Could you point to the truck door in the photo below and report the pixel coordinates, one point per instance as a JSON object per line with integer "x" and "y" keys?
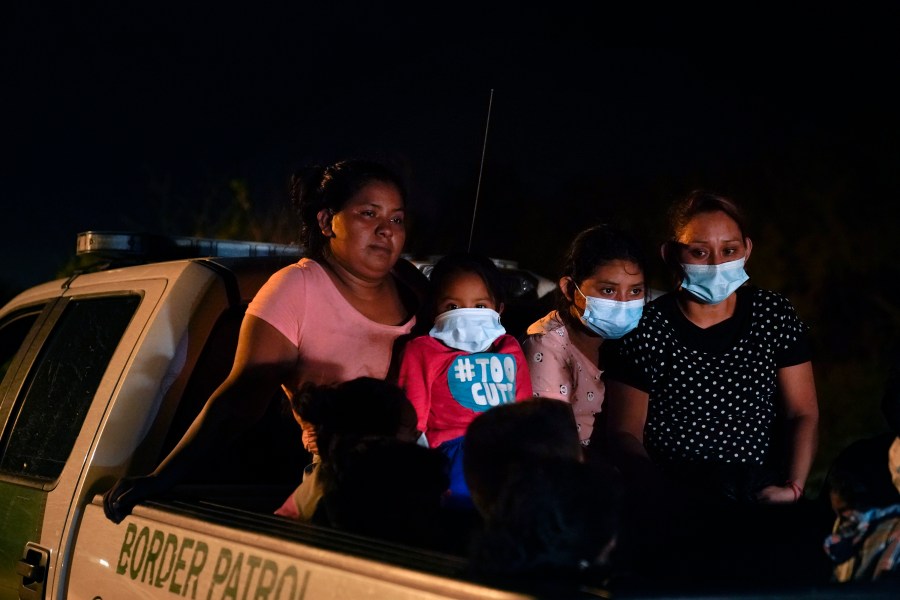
{"x": 21, "y": 509}
{"x": 54, "y": 392}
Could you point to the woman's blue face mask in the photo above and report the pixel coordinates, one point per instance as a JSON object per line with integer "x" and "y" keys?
{"x": 711, "y": 284}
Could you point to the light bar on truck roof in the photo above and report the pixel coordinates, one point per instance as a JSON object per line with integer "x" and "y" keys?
{"x": 146, "y": 246}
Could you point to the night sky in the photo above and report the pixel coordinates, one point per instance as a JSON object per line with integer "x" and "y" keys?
{"x": 139, "y": 117}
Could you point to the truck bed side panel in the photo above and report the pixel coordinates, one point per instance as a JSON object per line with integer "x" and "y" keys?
{"x": 160, "y": 554}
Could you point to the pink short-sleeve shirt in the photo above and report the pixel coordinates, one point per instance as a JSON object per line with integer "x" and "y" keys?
{"x": 335, "y": 342}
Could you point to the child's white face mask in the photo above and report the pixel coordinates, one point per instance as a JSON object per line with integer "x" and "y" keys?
{"x": 468, "y": 329}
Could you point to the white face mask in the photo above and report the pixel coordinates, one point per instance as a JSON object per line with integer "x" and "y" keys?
{"x": 611, "y": 319}
{"x": 713, "y": 283}
{"x": 468, "y": 329}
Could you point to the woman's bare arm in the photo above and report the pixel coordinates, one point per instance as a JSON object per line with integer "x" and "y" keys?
{"x": 264, "y": 359}
{"x": 797, "y": 389}
{"x": 626, "y": 415}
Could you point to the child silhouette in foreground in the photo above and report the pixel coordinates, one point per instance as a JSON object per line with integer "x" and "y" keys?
{"x": 386, "y": 488}
{"x": 467, "y": 364}
{"x": 361, "y": 408}
{"x": 549, "y": 518}
{"x": 863, "y": 487}
{"x": 516, "y": 436}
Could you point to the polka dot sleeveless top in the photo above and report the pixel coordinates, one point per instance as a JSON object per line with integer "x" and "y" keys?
{"x": 712, "y": 392}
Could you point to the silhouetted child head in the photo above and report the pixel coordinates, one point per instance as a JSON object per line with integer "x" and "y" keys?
{"x": 360, "y": 407}
{"x": 552, "y": 517}
{"x": 859, "y": 478}
{"x": 384, "y": 488}
{"x": 511, "y": 434}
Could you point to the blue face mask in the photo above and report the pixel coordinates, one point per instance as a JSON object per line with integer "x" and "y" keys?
{"x": 468, "y": 329}
{"x": 713, "y": 283}
{"x": 611, "y": 319}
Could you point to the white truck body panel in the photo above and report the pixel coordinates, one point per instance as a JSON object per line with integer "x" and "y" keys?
{"x": 157, "y": 554}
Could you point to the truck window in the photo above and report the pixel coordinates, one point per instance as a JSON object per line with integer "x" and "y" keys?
{"x": 60, "y": 386}
{"x": 13, "y": 330}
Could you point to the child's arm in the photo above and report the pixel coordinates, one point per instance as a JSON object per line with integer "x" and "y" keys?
{"x": 524, "y": 390}
{"x": 413, "y": 378}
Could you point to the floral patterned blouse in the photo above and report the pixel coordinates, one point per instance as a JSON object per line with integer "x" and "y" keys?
{"x": 560, "y": 370}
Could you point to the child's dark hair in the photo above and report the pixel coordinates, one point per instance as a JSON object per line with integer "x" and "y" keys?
{"x": 469, "y": 262}
{"x": 859, "y": 475}
{"x": 384, "y": 488}
{"x": 553, "y": 517}
{"x": 357, "y": 408}
{"x": 509, "y": 434}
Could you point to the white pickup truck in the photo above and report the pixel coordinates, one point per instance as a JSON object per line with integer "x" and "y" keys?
{"x": 101, "y": 374}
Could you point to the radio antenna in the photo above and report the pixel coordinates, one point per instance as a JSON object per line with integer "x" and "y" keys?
{"x": 481, "y": 167}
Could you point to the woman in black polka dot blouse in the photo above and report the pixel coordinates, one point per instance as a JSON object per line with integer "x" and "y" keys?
{"x": 715, "y": 387}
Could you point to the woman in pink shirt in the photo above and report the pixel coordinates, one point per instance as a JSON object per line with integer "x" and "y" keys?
{"x": 331, "y": 317}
